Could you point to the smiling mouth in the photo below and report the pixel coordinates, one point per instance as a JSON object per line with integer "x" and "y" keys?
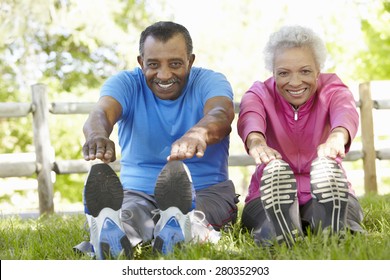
{"x": 165, "y": 86}
{"x": 296, "y": 92}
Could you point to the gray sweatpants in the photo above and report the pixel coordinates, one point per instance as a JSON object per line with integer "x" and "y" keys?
{"x": 217, "y": 202}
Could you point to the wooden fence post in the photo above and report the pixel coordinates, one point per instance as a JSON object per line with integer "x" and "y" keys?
{"x": 42, "y": 148}
{"x": 367, "y": 126}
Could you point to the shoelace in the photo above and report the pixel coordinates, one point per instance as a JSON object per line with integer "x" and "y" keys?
{"x": 155, "y": 212}
{"x": 199, "y": 220}
{"x": 202, "y": 229}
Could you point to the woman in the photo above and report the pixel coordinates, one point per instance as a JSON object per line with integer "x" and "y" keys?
{"x": 298, "y": 125}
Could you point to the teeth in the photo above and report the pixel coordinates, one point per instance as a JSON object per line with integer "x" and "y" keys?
{"x": 296, "y": 92}
{"x": 165, "y": 85}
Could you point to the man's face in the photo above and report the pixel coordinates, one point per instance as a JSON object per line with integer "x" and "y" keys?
{"x": 166, "y": 66}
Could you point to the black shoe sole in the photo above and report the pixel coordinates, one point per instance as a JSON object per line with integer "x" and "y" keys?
{"x": 330, "y": 187}
{"x": 103, "y": 189}
{"x": 278, "y": 194}
{"x": 174, "y": 188}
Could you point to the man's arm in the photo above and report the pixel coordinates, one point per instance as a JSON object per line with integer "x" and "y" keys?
{"x": 212, "y": 128}
{"x": 97, "y": 130}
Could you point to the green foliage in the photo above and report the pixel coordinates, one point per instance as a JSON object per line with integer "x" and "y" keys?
{"x": 53, "y": 237}
{"x": 132, "y": 12}
{"x": 72, "y": 47}
{"x": 14, "y": 138}
{"x": 67, "y": 140}
{"x": 374, "y": 61}
{"x": 357, "y": 38}
{"x": 76, "y": 43}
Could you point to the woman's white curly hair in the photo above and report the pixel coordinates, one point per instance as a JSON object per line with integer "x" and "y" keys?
{"x": 292, "y": 37}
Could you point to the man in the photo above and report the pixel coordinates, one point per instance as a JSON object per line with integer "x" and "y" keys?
{"x": 174, "y": 122}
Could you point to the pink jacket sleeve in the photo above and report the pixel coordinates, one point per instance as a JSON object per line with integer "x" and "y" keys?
{"x": 252, "y": 116}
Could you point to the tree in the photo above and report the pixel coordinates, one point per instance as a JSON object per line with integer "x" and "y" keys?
{"x": 72, "y": 46}
{"x": 374, "y": 60}
{"x": 359, "y": 42}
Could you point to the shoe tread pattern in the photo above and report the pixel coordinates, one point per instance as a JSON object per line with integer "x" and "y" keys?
{"x": 174, "y": 188}
{"x": 278, "y": 193}
{"x": 330, "y": 187}
{"x": 103, "y": 189}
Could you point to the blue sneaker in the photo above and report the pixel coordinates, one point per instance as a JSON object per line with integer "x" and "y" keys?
{"x": 172, "y": 228}
{"x": 175, "y": 197}
{"x": 103, "y": 197}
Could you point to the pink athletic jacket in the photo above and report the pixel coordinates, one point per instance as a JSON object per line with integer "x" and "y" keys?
{"x": 296, "y": 134}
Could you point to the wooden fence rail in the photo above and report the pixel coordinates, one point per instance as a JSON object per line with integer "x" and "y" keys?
{"x": 43, "y": 162}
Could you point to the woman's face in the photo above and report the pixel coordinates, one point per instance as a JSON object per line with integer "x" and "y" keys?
{"x": 295, "y": 73}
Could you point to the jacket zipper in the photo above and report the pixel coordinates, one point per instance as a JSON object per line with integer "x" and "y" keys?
{"x": 296, "y": 119}
{"x": 295, "y": 113}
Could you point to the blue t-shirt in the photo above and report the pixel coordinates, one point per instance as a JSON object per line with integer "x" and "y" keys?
{"x": 149, "y": 125}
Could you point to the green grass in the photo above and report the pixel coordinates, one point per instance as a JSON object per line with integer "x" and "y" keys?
{"x": 52, "y": 238}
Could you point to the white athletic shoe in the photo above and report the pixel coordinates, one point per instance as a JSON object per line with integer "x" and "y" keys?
{"x": 202, "y": 231}
{"x": 103, "y": 196}
{"x": 175, "y": 198}
{"x": 172, "y": 228}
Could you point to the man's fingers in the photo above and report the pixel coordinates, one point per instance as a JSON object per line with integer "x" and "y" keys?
{"x": 92, "y": 151}
{"x": 98, "y": 149}
{"x": 199, "y": 151}
{"x": 109, "y": 155}
{"x": 184, "y": 151}
{"x": 86, "y": 151}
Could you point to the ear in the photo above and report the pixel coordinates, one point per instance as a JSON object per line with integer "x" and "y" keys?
{"x": 191, "y": 60}
{"x": 140, "y": 61}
